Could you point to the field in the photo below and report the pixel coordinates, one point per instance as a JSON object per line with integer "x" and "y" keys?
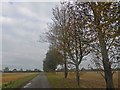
{"x": 15, "y": 80}
{"x": 88, "y": 79}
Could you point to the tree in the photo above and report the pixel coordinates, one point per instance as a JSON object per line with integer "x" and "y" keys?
{"x": 78, "y": 40}
{"x": 83, "y": 27}
{"x": 6, "y": 69}
{"x": 28, "y": 70}
{"x": 53, "y": 58}
{"x": 68, "y": 34}
{"x": 57, "y": 35}
{"x": 21, "y": 70}
{"x": 37, "y": 70}
{"x": 102, "y": 19}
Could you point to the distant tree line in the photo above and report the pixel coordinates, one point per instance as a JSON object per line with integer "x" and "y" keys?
{"x": 6, "y": 69}
{"x": 83, "y": 28}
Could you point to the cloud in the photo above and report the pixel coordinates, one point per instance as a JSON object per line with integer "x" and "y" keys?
{"x": 6, "y": 20}
{"x": 31, "y": 1}
{"x": 22, "y": 23}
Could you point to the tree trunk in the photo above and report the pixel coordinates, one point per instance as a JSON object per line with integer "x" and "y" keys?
{"x": 106, "y": 64}
{"x": 65, "y": 66}
{"x": 66, "y": 71}
{"x": 104, "y": 52}
{"x": 77, "y": 75}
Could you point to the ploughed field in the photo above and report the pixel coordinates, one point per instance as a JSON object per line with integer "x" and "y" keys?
{"x": 16, "y": 80}
{"x": 88, "y": 79}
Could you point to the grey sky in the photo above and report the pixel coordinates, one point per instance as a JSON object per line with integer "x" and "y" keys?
{"x": 22, "y": 24}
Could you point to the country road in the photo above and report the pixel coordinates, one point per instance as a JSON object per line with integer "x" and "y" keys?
{"x": 38, "y": 82}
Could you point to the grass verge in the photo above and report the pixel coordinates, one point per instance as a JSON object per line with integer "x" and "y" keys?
{"x": 57, "y": 80}
{"x": 88, "y": 79}
{"x": 18, "y": 83}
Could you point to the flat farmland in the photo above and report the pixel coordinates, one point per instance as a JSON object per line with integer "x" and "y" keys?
{"x": 15, "y": 80}
{"x": 88, "y": 79}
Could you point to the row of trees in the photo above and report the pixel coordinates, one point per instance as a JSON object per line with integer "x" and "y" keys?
{"x": 83, "y": 28}
{"x": 6, "y": 69}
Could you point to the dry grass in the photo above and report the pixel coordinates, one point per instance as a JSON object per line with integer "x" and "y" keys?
{"x": 87, "y": 80}
{"x": 0, "y": 78}
{"x": 95, "y": 80}
{"x": 7, "y": 77}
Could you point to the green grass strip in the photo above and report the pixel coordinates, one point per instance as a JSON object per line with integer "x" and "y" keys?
{"x": 18, "y": 83}
{"x": 58, "y": 81}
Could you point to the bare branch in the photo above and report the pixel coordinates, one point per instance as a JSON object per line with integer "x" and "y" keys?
{"x": 110, "y": 44}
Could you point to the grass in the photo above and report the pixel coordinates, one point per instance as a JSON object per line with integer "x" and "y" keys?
{"x": 95, "y": 80}
{"x": 57, "y": 80}
{"x": 0, "y": 80}
{"x": 16, "y": 80}
{"x": 7, "y": 77}
{"x": 87, "y": 80}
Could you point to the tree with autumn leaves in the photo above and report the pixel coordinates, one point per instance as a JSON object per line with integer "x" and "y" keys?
{"x": 82, "y": 28}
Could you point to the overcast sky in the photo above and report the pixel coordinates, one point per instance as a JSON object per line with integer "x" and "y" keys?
{"x": 22, "y": 24}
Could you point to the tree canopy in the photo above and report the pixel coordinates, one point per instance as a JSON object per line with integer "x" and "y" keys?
{"x": 52, "y": 60}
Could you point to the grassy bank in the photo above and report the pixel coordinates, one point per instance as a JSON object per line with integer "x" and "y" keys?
{"x": 16, "y": 80}
{"x": 87, "y": 80}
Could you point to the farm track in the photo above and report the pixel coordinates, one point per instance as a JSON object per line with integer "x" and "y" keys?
{"x": 38, "y": 82}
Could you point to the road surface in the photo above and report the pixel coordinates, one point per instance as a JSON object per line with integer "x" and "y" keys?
{"x": 38, "y": 82}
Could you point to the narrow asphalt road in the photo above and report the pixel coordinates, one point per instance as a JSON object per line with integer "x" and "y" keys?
{"x": 38, "y": 82}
